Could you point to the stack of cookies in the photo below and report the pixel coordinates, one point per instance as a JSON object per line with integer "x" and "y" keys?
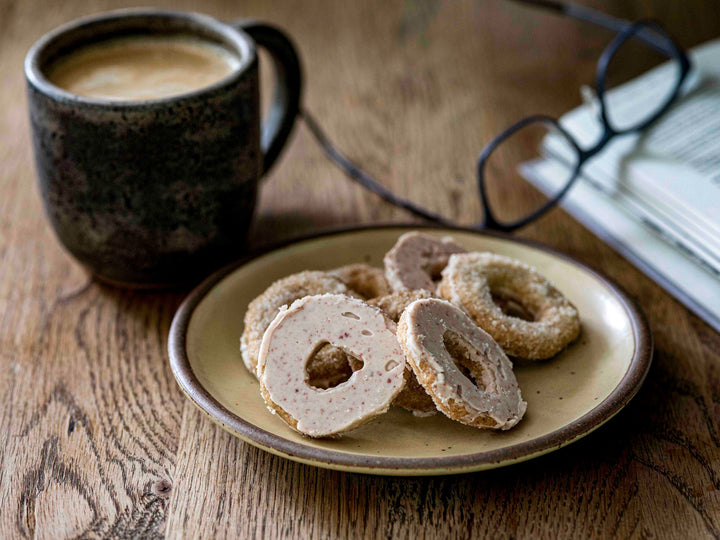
{"x": 430, "y": 332}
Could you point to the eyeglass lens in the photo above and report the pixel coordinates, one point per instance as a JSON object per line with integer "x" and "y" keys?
{"x": 503, "y": 170}
{"x": 625, "y": 109}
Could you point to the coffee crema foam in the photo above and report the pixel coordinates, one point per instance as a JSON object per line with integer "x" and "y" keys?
{"x": 142, "y": 67}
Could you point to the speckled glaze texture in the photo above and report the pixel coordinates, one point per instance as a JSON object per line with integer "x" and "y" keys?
{"x": 152, "y": 192}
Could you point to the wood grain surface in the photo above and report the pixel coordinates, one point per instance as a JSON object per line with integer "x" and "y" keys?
{"x": 96, "y": 439}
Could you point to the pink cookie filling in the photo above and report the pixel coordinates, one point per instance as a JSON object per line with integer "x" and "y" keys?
{"x": 362, "y": 331}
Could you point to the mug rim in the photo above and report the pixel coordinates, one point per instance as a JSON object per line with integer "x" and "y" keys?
{"x": 234, "y": 37}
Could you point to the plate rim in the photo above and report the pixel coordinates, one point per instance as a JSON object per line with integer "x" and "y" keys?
{"x": 403, "y": 466}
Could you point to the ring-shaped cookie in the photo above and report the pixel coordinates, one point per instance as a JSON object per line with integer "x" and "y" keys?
{"x": 471, "y": 280}
{"x": 434, "y": 334}
{"x": 360, "y": 330}
{"x": 263, "y": 309}
{"x": 416, "y": 259}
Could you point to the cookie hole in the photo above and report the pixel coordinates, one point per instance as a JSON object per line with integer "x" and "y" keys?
{"x": 366, "y": 333}
{"x": 433, "y": 267}
{"x": 392, "y": 364}
{"x": 462, "y": 356}
{"x": 511, "y": 305}
{"x": 330, "y": 366}
{"x": 351, "y": 315}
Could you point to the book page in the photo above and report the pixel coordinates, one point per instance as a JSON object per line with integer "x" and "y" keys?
{"x": 674, "y": 167}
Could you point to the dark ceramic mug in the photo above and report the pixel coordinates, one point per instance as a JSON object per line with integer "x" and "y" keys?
{"x": 162, "y": 191}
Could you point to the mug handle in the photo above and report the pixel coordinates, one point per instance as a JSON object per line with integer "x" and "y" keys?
{"x": 278, "y": 124}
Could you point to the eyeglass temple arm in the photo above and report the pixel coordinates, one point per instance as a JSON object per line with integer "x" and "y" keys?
{"x": 599, "y": 18}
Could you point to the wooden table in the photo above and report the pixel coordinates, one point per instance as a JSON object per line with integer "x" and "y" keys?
{"x": 96, "y": 438}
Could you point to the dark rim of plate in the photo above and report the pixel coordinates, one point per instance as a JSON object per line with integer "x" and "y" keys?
{"x": 606, "y": 409}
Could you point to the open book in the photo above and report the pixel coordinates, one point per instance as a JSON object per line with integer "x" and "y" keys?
{"x": 654, "y": 196}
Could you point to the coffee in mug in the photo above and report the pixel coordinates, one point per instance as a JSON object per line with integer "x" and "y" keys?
{"x": 143, "y": 67}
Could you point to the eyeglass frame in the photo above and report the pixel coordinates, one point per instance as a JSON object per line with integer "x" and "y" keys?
{"x": 666, "y": 45}
{"x": 625, "y": 29}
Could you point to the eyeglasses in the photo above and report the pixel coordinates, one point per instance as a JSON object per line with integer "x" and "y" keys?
{"x": 493, "y": 167}
{"x": 614, "y": 118}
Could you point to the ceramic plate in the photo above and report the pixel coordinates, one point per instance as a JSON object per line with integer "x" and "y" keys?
{"x": 568, "y": 396}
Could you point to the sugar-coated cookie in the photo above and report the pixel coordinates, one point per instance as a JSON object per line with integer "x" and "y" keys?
{"x": 470, "y": 280}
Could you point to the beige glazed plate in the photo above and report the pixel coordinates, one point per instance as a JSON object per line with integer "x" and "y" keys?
{"x": 568, "y": 396}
